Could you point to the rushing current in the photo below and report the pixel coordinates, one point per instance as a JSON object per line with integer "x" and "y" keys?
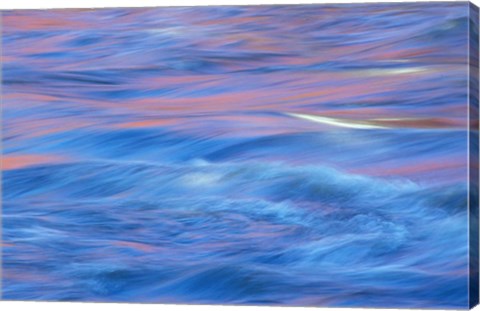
{"x": 311, "y": 155}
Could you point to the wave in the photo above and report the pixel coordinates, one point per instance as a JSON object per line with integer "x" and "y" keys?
{"x": 247, "y": 233}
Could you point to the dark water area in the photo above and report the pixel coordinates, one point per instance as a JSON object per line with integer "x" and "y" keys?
{"x": 281, "y": 155}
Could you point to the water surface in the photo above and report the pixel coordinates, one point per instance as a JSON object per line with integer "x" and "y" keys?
{"x": 283, "y": 155}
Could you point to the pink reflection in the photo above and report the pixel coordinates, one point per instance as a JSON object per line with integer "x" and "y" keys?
{"x": 11, "y": 162}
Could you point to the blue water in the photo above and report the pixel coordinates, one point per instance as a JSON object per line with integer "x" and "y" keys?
{"x": 153, "y": 155}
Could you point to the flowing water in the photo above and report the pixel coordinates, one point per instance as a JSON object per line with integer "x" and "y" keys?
{"x": 281, "y": 155}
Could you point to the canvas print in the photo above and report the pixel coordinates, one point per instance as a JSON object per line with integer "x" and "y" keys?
{"x": 290, "y": 155}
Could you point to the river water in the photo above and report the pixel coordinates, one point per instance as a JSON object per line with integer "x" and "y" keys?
{"x": 283, "y": 155}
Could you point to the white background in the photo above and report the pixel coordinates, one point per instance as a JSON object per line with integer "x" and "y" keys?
{"x": 67, "y": 306}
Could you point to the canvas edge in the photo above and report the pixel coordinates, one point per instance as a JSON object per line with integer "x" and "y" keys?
{"x": 473, "y": 154}
{"x": 1, "y": 156}
{"x": 235, "y": 4}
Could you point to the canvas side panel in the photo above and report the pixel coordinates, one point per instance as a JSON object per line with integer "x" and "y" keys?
{"x": 474, "y": 151}
{"x": 1, "y": 155}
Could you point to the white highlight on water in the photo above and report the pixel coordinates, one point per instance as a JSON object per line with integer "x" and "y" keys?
{"x": 336, "y": 122}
